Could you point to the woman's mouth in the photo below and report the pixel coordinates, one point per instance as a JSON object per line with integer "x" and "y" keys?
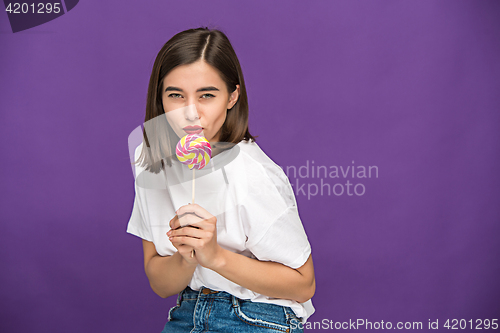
{"x": 193, "y": 129}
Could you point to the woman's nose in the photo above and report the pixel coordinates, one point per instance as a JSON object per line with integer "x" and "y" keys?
{"x": 190, "y": 112}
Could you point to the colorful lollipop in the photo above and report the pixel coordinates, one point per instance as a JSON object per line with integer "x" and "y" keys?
{"x": 195, "y": 151}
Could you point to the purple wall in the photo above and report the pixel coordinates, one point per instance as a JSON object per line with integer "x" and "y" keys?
{"x": 410, "y": 87}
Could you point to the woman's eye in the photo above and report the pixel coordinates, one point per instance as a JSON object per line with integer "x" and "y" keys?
{"x": 207, "y": 96}
{"x": 174, "y": 95}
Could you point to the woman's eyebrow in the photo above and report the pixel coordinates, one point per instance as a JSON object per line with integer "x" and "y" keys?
{"x": 211, "y": 88}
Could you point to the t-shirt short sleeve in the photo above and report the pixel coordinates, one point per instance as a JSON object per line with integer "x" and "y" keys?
{"x": 137, "y": 225}
{"x": 285, "y": 241}
{"x": 273, "y": 227}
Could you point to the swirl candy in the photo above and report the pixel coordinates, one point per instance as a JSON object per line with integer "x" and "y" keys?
{"x": 194, "y": 150}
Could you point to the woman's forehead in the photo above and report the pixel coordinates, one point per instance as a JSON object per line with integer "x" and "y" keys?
{"x": 199, "y": 69}
{"x": 193, "y": 83}
{"x": 193, "y": 77}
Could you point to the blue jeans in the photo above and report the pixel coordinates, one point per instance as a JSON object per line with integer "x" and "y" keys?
{"x": 207, "y": 310}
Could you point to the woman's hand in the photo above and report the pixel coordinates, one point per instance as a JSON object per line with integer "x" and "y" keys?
{"x": 195, "y": 228}
{"x": 184, "y": 250}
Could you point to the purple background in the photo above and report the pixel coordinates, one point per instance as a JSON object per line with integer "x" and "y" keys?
{"x": 408, "y": 86}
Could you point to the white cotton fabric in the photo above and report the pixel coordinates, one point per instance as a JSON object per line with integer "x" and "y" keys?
{"x": 255, "y": 208}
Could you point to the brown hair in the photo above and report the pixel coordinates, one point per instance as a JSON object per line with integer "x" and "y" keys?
{"x": 187, "y": 47}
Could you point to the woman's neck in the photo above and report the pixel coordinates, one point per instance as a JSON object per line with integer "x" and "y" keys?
{"x": 219, "y": 147}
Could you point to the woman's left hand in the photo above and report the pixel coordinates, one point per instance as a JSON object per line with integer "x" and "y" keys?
{"x": 203, "y": 237}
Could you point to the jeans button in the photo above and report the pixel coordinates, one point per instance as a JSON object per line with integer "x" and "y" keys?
{"x": 206, "y": 291}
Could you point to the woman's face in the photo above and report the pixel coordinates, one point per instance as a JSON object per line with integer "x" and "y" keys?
{"x": 195, "y": 100}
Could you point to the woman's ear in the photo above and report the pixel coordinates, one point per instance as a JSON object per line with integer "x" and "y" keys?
{"x": 233, "y": 97}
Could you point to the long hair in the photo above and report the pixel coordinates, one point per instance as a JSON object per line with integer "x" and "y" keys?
{"x": 187, "y": 47}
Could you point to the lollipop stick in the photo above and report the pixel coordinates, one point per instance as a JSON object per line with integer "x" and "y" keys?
{"x": 193, "y": 184}
{"x": 192, "y": 252}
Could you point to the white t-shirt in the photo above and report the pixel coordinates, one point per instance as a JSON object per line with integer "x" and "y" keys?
{"x": 254, "y": 204}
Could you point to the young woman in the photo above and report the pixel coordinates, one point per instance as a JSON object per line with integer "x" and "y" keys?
{"x": 239, "y": 258}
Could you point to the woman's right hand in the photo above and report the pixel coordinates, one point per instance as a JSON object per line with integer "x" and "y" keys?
{"x": 184, "y": 250}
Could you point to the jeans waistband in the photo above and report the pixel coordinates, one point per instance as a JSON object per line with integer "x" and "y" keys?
{"x": 190, "y": 293}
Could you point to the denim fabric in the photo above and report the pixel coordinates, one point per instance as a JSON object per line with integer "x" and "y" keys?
{"x": 207, "y": 310}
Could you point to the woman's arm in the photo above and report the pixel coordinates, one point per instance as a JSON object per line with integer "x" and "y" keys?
{"x": 264, "y": 277}
{"x": 167, "y": 275}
